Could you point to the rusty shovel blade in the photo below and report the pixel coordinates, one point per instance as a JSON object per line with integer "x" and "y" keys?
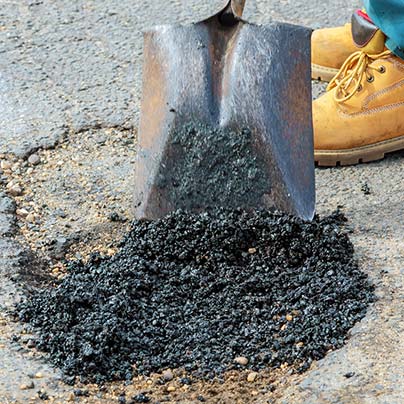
{"x": 217, "y": 95}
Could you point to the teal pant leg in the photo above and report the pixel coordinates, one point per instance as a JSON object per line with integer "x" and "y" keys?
{"x": 388, "y": 15}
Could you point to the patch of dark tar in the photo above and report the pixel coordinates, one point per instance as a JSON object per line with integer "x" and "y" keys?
{"x": 194, "y": 291}
{"x": 212, "y": 167}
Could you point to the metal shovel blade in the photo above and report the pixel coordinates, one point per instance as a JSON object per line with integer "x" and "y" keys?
{"x": 226, "y": 118}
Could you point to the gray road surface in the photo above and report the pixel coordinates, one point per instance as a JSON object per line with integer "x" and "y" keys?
{"x": 67, "y": 67}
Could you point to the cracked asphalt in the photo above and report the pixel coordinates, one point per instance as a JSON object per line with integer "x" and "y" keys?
{"x": 70, "y": 80}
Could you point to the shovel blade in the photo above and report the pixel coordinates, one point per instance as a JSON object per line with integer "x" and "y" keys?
{"x": 206, "y": 84}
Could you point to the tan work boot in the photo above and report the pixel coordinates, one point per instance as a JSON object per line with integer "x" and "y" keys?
{"x": 361, "y": 117}
{"x": 330, "y": 47}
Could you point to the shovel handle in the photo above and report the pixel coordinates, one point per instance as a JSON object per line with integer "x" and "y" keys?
{"x": 233, "y": 12}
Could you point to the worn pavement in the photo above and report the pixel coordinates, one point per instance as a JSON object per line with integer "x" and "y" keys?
{"x": 71, "y": 69}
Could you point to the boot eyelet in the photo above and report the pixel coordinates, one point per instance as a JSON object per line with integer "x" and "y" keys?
{"x": 371, "y": 79}
{"x": 382, "y": 69}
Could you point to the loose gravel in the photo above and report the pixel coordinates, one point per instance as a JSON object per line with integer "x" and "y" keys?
{"x": 198, "y": 291}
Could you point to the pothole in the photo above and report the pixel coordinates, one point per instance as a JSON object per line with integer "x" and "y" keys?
{"x": 75, "y": 195}
{"x": 206, "y": 294}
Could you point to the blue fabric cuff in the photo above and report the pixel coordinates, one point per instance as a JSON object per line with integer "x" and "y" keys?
{"x": 394, "y": 48}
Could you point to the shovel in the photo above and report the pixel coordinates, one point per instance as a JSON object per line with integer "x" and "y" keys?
{"x": 225, "y": 118}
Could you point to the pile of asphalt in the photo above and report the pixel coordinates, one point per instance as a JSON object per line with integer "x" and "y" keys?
{"x": 196, "y": 291}
{"x": 205, "y": 167}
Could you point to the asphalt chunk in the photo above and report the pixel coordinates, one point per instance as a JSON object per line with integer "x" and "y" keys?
{"x": 184, "y": 292}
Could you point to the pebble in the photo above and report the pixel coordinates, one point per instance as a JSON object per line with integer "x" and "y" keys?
{"x": 27, "y": 386}
{"x": 186, "y": 381}
{"x": 61, "y": 213}
{"x": 22, "y": 212}
{"x": 71, "y": 397}
{"x": 30, "y": 218}
{"x": 171, "y": 389}
{"x": 5, "y": 165}
{"x": 289, "y": 317}
{"x": 15, "y": 190}
{"x": 252, "y": 376}
{"x": 252, "y": 250}
{"x": 81, "y": 393}
{"x": 168, "y": 375}
{"x": 43, "y": 395}
{"x": 141, "y": 398}
{"x": 34, "y": 159}
{"x": 241, "y": 360}
{"x": 38, "y": 375}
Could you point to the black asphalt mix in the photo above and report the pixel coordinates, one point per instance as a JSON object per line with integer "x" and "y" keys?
{"x": 198, "y": 291}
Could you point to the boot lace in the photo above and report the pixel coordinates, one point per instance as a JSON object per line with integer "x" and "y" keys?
{"x": 349, "y": 78}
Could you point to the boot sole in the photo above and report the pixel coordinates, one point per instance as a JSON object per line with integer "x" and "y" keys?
{"x": 364, "y": 154}
{"x": 322, "y": 73}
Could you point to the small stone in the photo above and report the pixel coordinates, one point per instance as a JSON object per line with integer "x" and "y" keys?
{"x": 43, "y": 395}
{"x": 61, "y": 213}
{"x": 201, "y": 399}
{"x": 289, "y": 317}
{"x": 15, "y": 190}
{"x": 30, "y": 170}
{"x": 81, "y": 393}
{"x": 365, "y": 189}
{"x": 71, "y": 397}
{"x": 349, "y": 375}
{"x": 22, "y": 212}
{"x": 101, "y": 139}
{"x": 38, "y": 375}
{"x": 168, "y": 375}
{"x": 34, "y": 159}
{"x": 116, "y": 217}
{"x": 5, "y": 165}
{"x": 170, "y": 389}
{"x": 300, "y": 344}
{"x": 30, "y": 218}
{"x": 251, "y": 377}
{"x": 186, "y": 381}
{"x": 27, "y": 386}
{"x": 241, "y": 360}
{"x": 254, "y": 393}
{"x": 252, "y": 250}
{"x": 141, "y": 398}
